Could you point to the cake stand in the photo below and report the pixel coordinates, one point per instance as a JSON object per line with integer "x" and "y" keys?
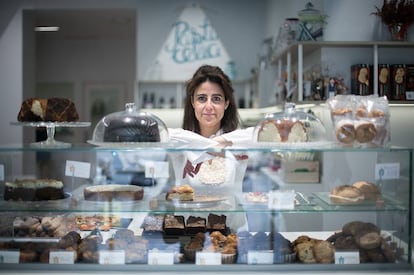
{"x": 50, "y": 142}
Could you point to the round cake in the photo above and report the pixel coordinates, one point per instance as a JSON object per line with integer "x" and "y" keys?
{"x": 282, "y": 131}
{"x": 113, "y": 192}
{"x": 48, "y": 109}
{"x": 132, "y": 129}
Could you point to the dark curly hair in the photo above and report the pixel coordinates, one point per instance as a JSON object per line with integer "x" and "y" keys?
{"x": 214, "y": 74}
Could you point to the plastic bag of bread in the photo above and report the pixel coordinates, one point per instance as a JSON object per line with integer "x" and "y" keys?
{"x": 360, "y": 121}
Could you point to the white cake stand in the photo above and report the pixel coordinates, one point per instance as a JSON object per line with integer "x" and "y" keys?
{"x": 50, "y": 142}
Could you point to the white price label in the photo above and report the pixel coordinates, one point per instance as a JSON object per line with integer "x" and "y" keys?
{"x": 1, "y": 172}
{"x": 387, "y": 171}
{"x": 160, "y": 258}
{"x": 156, "y": 169}
{"x": 9, "y": 257}
{"x": 78, "y": 169}
{"x": 61, "y": 257}
{"x": 208, "y": 258}
{"x": 347, "y": 257}
{"x": 260, "y": 257}
{"x": 112, "y": 257}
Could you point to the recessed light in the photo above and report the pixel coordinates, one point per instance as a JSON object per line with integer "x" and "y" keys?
{"x": 47, "y": 29}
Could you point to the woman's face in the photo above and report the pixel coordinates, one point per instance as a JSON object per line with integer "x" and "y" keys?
{"x": 209, "y": 105}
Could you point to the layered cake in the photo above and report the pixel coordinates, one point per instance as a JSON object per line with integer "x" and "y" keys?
{"x": 34, "y": 190}
{"x": 132, "y": 129}
{"x": 181, "y": 193}
{"x": 53, "y": 109}
{"x": 113, "y": 192}
{"x": 282, "y": 131}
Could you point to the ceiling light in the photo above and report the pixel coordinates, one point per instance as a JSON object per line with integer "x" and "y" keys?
{"x": 47, "y": 29}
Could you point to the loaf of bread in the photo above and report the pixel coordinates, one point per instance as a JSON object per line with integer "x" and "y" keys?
{"x": 53, "y": 109}
{"x": 369, "y": 190}
{"x": 346, "y": 194}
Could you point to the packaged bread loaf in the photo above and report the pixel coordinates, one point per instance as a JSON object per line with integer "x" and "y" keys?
{"x": 360, "y": 121}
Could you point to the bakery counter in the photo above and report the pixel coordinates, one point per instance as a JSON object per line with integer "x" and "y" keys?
{"x": 249, "y": 221}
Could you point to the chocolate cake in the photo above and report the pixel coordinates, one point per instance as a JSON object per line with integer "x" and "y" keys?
{"x": 53, "y": 109}
{"x": 34, "y": 190}
{"x": 138, "y": 128}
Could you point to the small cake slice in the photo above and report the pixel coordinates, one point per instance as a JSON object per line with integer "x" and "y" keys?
{"x": 181, "y": 193}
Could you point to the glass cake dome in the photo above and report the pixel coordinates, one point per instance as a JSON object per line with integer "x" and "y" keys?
{"x": 290, "y": 127}
{"x": 130, "y": 126}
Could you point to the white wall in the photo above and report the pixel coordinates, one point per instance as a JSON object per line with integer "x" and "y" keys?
{"x": 154, "y": 18}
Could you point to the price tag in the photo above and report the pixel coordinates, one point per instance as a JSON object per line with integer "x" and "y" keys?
{"x": 78, "y": 169}
{"x": 160, "y": 258}
{"x": 208, "y": 258}
{"x": 409, "y": 95}
{"x": 347, "y": 257}
{"x": 281, "y": 199}
{"x": 9, "y": 257}
{"x": 156, "y": 169}
{"x": 1, "y": 172}
{"x": 61, "y": 257}
{"x": 260, "y": 257}
{"x": 111, "y": 257}
{"x": 387, "y": 171}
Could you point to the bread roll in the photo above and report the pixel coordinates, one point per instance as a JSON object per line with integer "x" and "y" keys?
{"x": 365, "y": 131}
{"x": 345, "y": 131}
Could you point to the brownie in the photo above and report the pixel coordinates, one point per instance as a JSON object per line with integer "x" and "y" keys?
{"x": 174, "y": 225}
{"x": 216, "y": 223}
{"x": 153, "y": 223}
{"x": 195, "y": 225}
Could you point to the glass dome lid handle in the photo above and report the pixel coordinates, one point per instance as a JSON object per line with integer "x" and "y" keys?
{"x": 130, "y": 107}
{"x": 290, "y": 107}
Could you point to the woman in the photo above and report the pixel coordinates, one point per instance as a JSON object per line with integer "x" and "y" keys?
{"x": 210, "y": 115}
{"x": 210, "y": 109}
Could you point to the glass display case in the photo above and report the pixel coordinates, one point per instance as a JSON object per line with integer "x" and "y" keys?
{"x": 254, "y": 207}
